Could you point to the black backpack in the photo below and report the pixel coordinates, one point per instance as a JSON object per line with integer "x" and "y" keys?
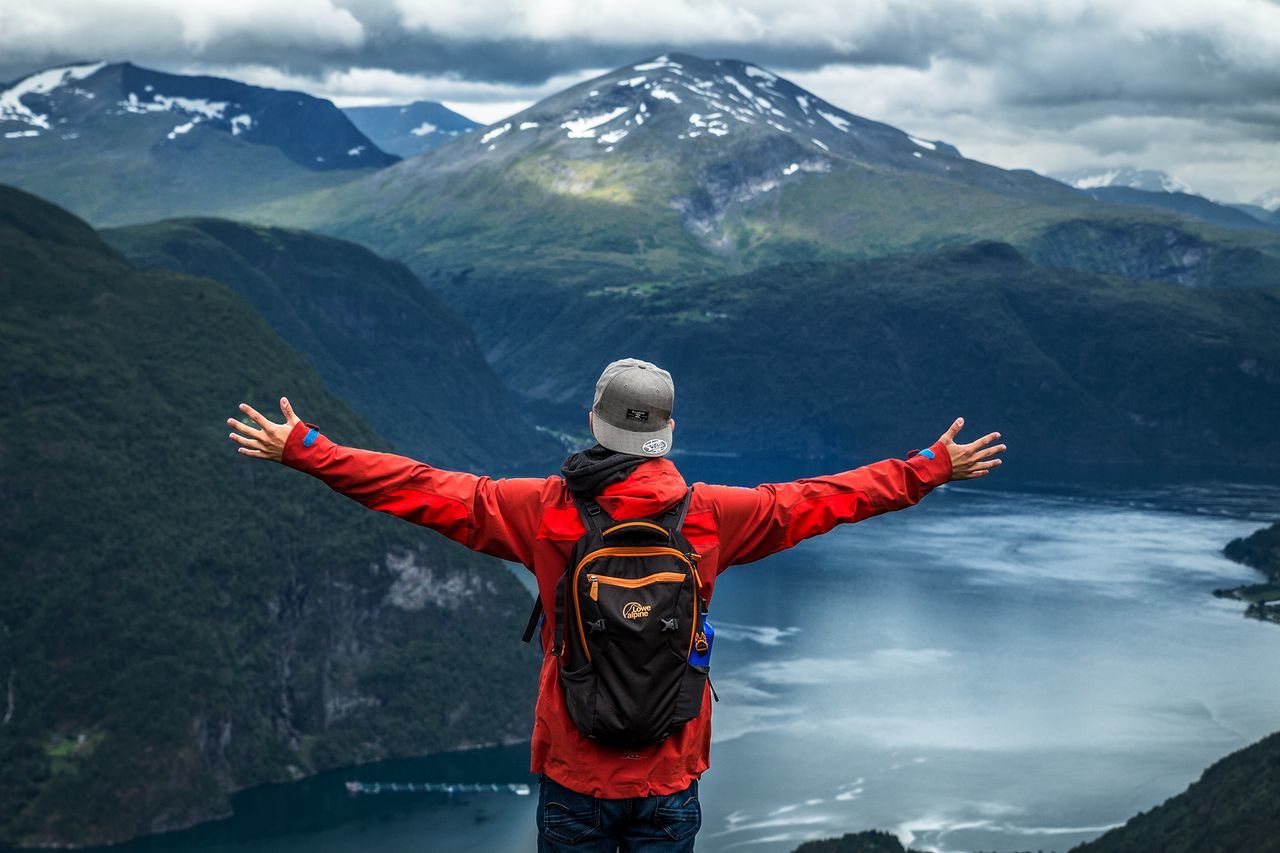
{"x": 629, "y": 614}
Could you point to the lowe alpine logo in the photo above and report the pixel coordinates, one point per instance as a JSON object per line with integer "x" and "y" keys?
{"x": 635, "y": 610}
{"x": 654, "y": 445}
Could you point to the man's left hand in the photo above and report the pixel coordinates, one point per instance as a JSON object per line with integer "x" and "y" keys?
{"x": 970, "y": 461}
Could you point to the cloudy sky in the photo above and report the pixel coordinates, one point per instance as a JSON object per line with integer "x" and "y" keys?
{"x": 1191, "y": 87}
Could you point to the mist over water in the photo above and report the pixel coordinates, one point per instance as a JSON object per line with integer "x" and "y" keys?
{"x": 996, "y": 670}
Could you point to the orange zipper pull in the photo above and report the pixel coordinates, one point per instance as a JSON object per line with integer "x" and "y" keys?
{"x": 595, "y": 587}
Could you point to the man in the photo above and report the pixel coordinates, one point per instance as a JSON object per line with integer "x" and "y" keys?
{"x": 594, "y": 797}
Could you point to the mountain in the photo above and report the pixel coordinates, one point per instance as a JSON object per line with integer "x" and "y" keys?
{"x": 678, "y": 170}
{"x": 860, "y": 359}
{"x": 1180, "y": 202}
{"x": 381, "y": 341}
{"x": 117, "y": 143}
{"x": 1233, "y": 807}
{"x": 410, "y": 129}
{"x": 179, "y": 621}
{"x": 1147, "y": 180}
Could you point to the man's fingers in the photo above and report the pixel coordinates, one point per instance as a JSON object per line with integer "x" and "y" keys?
{"x": 251, "y": 431}
{"x": 253, "y": 413}
{"x": 255, "y": 453}
{"x": 289, "y": 417}
{"x": 990, "y": 463}
{"x": 990, "y": 451}
{"x": 975, "y": 446}
{"x": 952, "y": 430}
{"x": 247, "y": 442}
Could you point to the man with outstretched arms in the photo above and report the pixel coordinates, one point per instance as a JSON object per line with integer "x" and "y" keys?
{"x": 597, "y": 795}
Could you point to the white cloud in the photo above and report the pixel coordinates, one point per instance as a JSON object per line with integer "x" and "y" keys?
{"x": 31, "y": 31}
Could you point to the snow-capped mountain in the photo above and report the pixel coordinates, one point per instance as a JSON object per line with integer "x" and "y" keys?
{"x": 1150, "y": 180}
{"x": 116, "y": 142}
{"x": 410, "y": 129}
{"x": 66, "y": 103}
{"x": 697, "y": 109}
{"x": 679, "y": 139}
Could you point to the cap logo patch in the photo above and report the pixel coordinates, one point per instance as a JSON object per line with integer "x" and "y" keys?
{"x": 654, "y": 445}
{"x": 636, "y": 415}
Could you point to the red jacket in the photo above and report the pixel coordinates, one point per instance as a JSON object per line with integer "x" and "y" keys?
{"x": 533, "y": 521}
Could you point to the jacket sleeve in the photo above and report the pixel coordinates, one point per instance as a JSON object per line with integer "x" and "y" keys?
{"x": 754, "y": 523}
{"x": 497, "y": 517}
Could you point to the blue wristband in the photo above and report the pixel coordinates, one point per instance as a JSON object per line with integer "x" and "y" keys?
{"x": 927, "y": 453}
{"x": 311, "y": 437}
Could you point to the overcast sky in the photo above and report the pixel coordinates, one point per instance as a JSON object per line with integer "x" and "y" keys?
{"x": 1191, "y": 87}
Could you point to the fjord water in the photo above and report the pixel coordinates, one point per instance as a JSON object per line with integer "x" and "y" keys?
{"x": 992, "y": 670}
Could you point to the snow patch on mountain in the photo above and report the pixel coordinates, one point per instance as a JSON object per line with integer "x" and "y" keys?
{"x": 42, "y": 83}
{"x": 424, "y": 128}
{"x": 584, "y": 128}
{"x": 495, "y": 133}
{"x": 183, "y": 128}
{"x": 165, "y": 103}
{"x": 661, "y": 62}
{"x": 241, "y": 123}
{"x": 837, "y": 121}
{"x": 923, "y": 143}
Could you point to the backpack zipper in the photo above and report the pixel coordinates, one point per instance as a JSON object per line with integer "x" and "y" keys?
{"x": 660, "y": 577}
{"x": 629, "y": 551}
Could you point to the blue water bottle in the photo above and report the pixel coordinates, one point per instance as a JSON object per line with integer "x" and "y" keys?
{"x": 700, "y": 655}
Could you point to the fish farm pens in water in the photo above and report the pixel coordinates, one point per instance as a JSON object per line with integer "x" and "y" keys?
{"x": 517, "y": 788}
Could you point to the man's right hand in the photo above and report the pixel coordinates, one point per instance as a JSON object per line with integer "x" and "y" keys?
{"x": 969, "y": 461}
{"x": 268, "y": 442}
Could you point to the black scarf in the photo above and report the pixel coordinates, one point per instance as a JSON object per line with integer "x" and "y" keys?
{"x": 588, "y": 471}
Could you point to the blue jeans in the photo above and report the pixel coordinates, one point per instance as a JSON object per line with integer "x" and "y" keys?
{"x": 580, "y": 823}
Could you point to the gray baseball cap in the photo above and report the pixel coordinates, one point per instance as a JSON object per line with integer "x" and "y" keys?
{"x": 631, "y": 408}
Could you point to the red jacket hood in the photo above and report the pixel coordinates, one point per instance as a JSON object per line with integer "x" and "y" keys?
{"x": 651, "y": 487}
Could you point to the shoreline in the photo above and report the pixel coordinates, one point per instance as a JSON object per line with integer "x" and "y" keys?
{"x": 1259, "y": 550}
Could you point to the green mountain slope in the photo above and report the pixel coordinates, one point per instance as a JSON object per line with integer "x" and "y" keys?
{"x": 179, "y": 621}
{"x": 381, "y": 341}
{"x": 1233, "y": 807}
{"x": 863, "y": 357}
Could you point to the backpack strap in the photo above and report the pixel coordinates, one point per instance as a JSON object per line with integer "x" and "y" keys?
{"x": 533, "y": 620}
{"x": 593, "y": 515}
{"x": 679, "y": 511}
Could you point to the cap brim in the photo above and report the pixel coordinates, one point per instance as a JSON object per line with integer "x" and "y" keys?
{"x": 652, "y": 444}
